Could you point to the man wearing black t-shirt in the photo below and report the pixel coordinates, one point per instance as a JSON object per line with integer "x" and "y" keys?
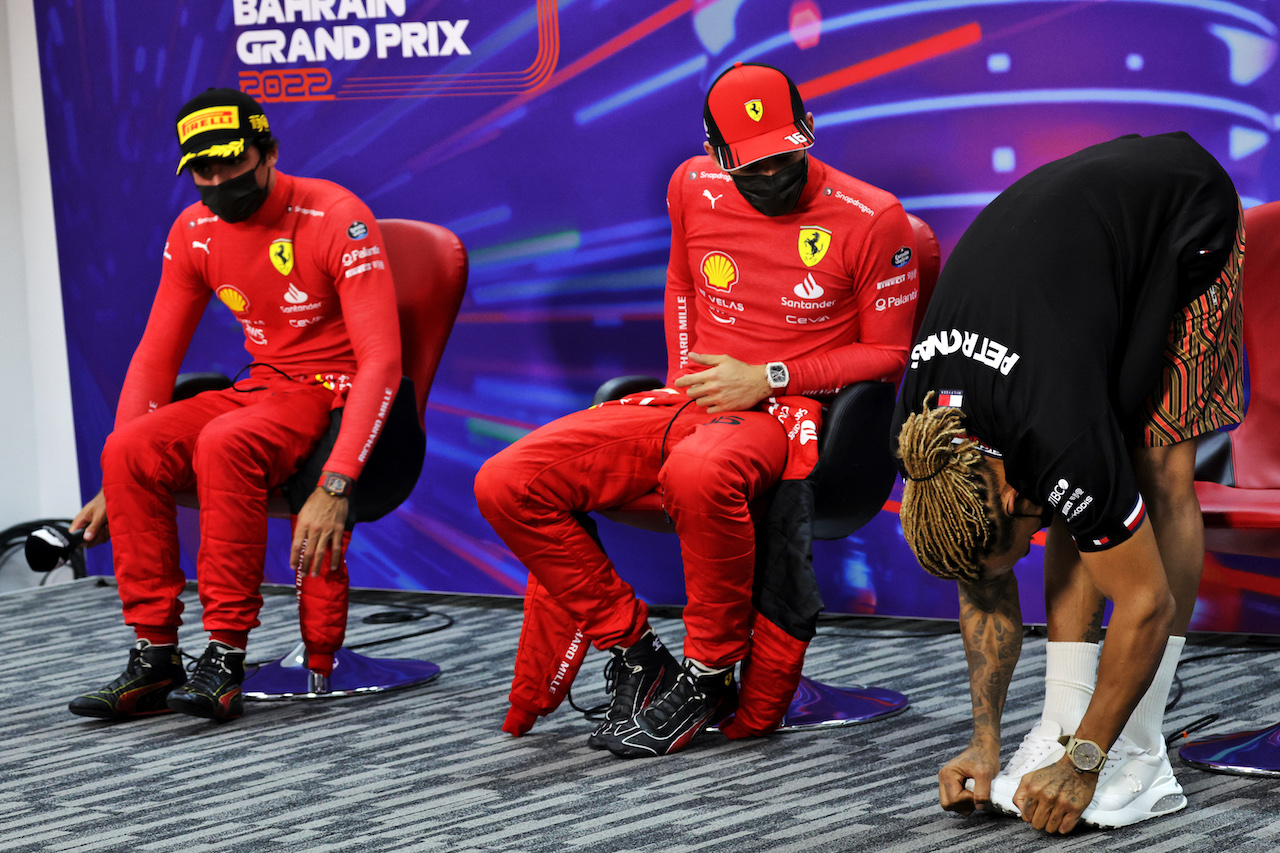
{"x": 1084, "y": 329}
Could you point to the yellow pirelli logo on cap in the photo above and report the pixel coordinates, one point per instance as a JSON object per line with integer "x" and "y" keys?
{"x": 209, "y": 118}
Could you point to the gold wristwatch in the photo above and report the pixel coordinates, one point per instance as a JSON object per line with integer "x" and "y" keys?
{"x": 1085, "y": 755}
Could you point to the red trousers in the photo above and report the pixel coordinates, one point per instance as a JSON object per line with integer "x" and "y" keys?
{"x": 708, "y": 468}
{"x": 232, "y": 447}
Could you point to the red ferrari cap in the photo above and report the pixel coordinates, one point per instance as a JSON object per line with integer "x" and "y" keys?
{"x": 754, "y": 111}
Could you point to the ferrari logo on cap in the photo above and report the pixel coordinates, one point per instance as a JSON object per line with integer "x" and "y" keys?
{"x": 281, "y": 253}
{"x": 755, "y": 109}
{"x": 814, "y": 243}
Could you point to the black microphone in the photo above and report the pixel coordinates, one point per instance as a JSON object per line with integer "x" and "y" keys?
{"x": 49, "y": 547}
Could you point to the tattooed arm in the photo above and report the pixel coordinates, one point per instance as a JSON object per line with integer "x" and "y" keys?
{"x": 991, "y": 625}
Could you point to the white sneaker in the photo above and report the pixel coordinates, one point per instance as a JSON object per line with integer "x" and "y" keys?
{"x": 1039, "y": 748}
{"x": 1134, "y": 785}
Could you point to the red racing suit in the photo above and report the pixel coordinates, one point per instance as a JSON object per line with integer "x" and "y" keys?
{"x": 306, "y": 277}
{"x": 829, "y": 290}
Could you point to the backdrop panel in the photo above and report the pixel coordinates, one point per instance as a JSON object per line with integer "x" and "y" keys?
{"x": 543, "y": 133}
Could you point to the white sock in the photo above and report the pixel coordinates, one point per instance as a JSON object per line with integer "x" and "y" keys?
{"x": 1071, "y": 671}
{"x": 700, "y": 669}
{"x": 1147, "y": 721}
{"x": 648, "y": 632}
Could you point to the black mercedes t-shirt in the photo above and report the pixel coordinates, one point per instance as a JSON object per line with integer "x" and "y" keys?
{"x": 1049, "y": 319}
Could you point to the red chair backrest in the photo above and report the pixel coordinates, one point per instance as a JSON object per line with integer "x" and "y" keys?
{"x": 429, "y": 266}
{"x": 1255, "y": 444}
{"x": 929, "y": 258}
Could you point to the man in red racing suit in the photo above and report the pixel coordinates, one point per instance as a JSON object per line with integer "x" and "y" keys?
{"x": 300, "y": 264}
{"x": 787, "y": 281}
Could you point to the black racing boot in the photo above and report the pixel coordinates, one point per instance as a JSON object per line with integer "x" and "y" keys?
{"x": 213, "y": 691}
{"x": 700, "y": 698}
{"x": 140, "y": 690}
{"x": 634, "y": 677}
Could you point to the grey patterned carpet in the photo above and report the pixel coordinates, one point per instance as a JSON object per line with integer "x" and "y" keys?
{"x": 428, "y": 769}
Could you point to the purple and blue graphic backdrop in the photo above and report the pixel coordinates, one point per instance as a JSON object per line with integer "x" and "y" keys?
{"x": 543, "y": 133}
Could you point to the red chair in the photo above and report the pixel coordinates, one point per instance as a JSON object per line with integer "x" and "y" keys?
{"x": 1238, "y": 472}
{"x": 428, "y": 264}
{"x": 852, "y": 480}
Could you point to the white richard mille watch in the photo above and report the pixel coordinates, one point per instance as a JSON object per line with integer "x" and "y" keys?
{"x": 776, "y": 372}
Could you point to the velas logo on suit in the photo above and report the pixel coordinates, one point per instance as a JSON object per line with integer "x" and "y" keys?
{"x": 719, "y": 271}
{"x": 814, "y": 243}
{"x": 233, "y": 298}
{"x": 281, "y": 253}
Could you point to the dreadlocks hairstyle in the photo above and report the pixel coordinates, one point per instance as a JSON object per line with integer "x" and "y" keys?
{"x": 944, "y": 502}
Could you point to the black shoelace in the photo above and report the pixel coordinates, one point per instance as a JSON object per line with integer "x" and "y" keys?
{"x": 620, "y": 688}
{"x": 210, "y": 671}
{"x": 611, "y": 674}
{"x": 684, "y": 691}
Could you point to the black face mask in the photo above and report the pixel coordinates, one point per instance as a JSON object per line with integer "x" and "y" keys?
{"x": 234, "y": 200}
{"x": 776, "y": 194}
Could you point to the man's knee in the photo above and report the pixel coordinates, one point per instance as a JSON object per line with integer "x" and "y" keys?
{"x": 134, "y": 453}
{"x": 225, "y": 446}
{"x": 698, "y": 473}
{"x": 704, "y": 480}
{"x": 1166, "y": 475}
{"x": 500, "y": 484}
